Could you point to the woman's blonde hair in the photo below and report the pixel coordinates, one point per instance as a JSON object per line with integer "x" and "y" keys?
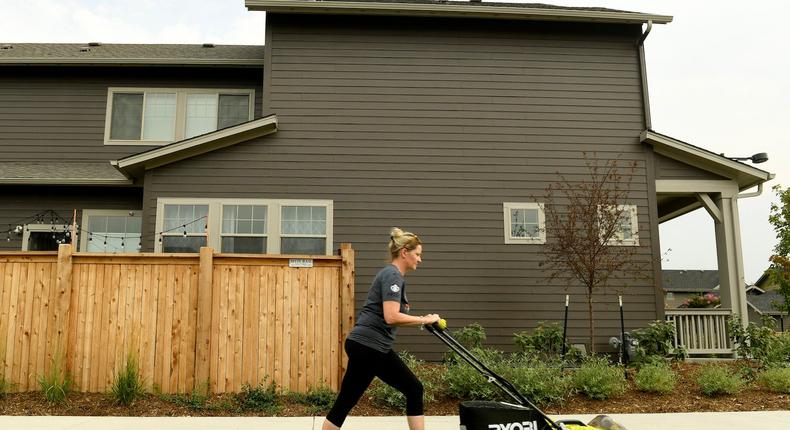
{"x": 400, "y": 239}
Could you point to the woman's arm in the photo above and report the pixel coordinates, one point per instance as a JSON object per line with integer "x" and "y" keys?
{"x": 392, "y": 316}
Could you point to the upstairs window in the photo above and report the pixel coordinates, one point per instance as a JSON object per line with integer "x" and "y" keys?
{"x": 525, "y": 223}
{"x": 158, "y": 116}
{"x": 626, "y": 230}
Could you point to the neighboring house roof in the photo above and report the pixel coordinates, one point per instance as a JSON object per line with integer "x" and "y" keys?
{"x": 60, "y": 173}
{"x": 745, "y": 175}
{"x": 692, "y": 281}
{"x": 763, "y": 303}
{"x": 136, "y": 165}
{"x": 128, "y": 54}
{"x": 457, "y": 9}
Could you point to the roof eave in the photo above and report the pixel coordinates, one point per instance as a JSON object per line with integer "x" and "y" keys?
{"x": 136, "y": 165}
{"x": 30, "y": 61}
{"x": 746, "y": 176}
{"x": 453, "y": 11}
{"x": 65, "y": 181}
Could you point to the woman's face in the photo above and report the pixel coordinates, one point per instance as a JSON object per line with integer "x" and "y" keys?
{"x": 412, "y": 258}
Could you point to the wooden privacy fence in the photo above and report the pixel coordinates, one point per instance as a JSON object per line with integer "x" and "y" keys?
{"x": 188, "y": 318}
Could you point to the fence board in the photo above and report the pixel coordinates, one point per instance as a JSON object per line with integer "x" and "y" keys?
{"x": 261, "y": 319}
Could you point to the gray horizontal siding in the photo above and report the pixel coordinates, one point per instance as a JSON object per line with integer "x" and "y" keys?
{"x": 18, "y": 204}
{"x": 58, "y": 113}
{"x": 431, "y": 125}
{"x": 667, "y": 168}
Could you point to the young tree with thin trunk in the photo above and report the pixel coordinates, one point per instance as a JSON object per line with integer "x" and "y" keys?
{"x": 779, "y": 272}
{"x": 589, "y": 232}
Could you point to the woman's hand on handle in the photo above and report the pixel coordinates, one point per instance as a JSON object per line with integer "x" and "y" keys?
{"x": 430, "y": 318}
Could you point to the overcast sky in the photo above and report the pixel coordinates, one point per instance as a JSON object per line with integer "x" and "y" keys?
{"x": 718, "y": 78}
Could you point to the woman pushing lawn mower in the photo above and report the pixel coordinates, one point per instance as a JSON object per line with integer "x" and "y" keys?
{"x": 369, "y": 345}
{"x": 370, "y": 354}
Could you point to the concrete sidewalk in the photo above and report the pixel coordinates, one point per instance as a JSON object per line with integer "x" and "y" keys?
{"x": 771, "y": 420}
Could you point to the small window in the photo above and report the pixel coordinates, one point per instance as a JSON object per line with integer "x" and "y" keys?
{"x": 244, "y": 229}
{"x": 303, "y": 230}
{"x": 525, "y": 223}
{"x": 160, "y": 116}
{"x": 626, "y": 230}
{"x": 184, "y": 228}
{"x": 110, "y": 231}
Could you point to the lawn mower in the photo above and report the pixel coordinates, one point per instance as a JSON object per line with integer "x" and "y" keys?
{"x": 521, "y": 415}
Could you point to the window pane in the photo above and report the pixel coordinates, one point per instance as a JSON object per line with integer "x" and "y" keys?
{"x": 244, "y": 227}
{"x": 531, "y": 216}
{"x": 113, "y": 233}
{"x": 244, "y": 245}
{"x": 201, "y": 114}
{"x": 233, "y": 109}
{"x": 97, "y": 224}
{"x": 193, "y": 217}
{"x": 46, "y": 240}
{"x": 159, "y": 121}
{"x": 183, "y": 244}
{"x": 304, "y": 220}
{"x": 134, "y": 225}
{"x": 244, "y": 219}
{"x": 303, "y": 245}
{"x": 127, "y": 116}
{"x": 116, "y": 224}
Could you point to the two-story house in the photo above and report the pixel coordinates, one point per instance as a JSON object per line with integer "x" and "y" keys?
{"x": 441, "y": 117}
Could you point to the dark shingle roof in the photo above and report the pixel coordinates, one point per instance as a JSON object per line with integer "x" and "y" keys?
{"x": 60, "y": 173}
{"x": 695, "y": 281}
{"x": 764, "y": 302}
{"x": 85, "y": 53}
{"x": 487, "y": 3}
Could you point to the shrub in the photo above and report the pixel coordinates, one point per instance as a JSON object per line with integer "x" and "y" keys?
{"x": 540, "y": 381}
{"x": 462, "y": 381}
{"x": 656, "y": 341}
{"x": 385, "y": 395}
{"x": 544, "y": 342}
{"x": 319, "y": 399}
{"x": 714, "y": 380}
{"x": 597, "y": 379}
{"x": 260, "y": 398}
{"x": 127, "y": 386}
{"x": 56, "y": 384}
{"x": 704, "y": 301}
{"x": 197, "y": 400}
{"x": 655, "y": 378}
{"x": 776, "y": 379}
{"x": 5, "y": 386}
{"x": 760, "y": 342}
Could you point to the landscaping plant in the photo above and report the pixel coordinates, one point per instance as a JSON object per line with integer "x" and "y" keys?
{"x": 56, "y": 383}
{"x": 541, "y": 381}
{"x": 760, "y": 342}
{"x": 776, "y": 379}
{"x": 318, "y": 399}
{"x": 462, "y": 381}
{"x": 656, "y": 341}
{"x": 545, "y": 341}
{"x": 597, "y": 379}
{"x": 197, "y": 400}
{"x": 655, "y": 377}
{"x": 716, "y": 380}
{"x": 260, "y": 398}
{"x": 127, "y": 385}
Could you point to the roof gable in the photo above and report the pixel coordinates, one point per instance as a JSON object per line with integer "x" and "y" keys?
{"x": 136, "y": 165}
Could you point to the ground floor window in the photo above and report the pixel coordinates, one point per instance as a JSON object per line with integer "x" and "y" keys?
{"x": 110, "y": 231}
{"x": 45, "y": 237}
{"x": 250, "y": 226}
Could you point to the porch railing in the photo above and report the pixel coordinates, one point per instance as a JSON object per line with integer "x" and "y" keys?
{"x": 701, "y": 331}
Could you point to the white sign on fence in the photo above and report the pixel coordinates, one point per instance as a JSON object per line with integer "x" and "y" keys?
{"x": 300, "y": 262}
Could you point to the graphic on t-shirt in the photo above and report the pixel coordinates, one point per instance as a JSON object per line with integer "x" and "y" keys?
{"x": 395, "y": 288}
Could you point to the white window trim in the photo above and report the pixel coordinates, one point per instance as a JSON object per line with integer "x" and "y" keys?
{"x": 634, "y": 240}
{"x": 540, "y": 239}
{"x": 214, "y": 222}
{"x": 87, "y": 213}
{"x": 43, "y": 228}
{"x": 181, "y": 108}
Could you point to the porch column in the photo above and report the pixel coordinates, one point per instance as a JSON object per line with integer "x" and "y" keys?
{"x": 730, "y": 256}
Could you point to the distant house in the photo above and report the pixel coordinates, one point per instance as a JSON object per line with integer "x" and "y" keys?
{"x": 679, "y": 285}
{"x": 761, "y": 298}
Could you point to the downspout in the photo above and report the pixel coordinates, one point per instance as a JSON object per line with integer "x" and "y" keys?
{"x": 643, "y": 71}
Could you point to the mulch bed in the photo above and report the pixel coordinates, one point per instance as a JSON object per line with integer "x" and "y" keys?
{"x": 685, "y": 398}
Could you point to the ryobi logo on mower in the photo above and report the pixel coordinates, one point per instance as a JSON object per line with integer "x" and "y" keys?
{"x": 523, "y": 425}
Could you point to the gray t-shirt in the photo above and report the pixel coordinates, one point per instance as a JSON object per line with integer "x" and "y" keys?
{"x": 371, "y": 329}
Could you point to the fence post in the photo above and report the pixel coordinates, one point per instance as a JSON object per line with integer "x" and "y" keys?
{"x": 63, "y": 301}
{"x": 203, "y": 329}
{"x": 346, "y": 300}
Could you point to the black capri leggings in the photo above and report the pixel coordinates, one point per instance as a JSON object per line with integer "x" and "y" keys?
{"x": 364, "y": 363}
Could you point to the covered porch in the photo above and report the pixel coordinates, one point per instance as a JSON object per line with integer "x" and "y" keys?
{"x": 688, "y": 178}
